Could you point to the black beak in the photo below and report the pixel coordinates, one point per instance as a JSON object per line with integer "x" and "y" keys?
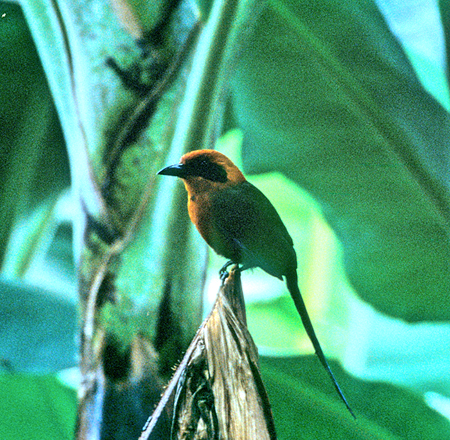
{"x": 178, "y": 170}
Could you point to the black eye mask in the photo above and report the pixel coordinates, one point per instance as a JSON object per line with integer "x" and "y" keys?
{"x": 202, "y": 167}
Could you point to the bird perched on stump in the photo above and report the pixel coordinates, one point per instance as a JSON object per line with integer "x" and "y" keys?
{"x": 238, "y": 221}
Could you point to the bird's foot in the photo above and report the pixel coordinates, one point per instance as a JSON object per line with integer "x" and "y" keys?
{"x": 224, "y": 275}
{"x": 223, "y": 272}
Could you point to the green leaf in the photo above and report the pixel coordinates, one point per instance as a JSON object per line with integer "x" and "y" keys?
{"x": 418, "y": 28}
{"x": 444, "y": 9}
{"x": 37, "y": 329}
{"x": 34, "y": 407}
{"x": 33, "y": 166}
{"x": 305, "y": 405}
{"x": 327, "y": 96}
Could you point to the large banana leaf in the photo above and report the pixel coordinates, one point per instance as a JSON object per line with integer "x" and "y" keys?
{"x": 39, "y": 407}
{"x": 326, "y": 95}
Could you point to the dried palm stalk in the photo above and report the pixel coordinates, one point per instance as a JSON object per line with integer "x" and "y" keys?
{"x": 217, "y": 391}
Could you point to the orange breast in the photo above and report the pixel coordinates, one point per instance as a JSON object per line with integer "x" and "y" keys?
{"x": 200, "y": 214}
{"x": 199, "y": 207}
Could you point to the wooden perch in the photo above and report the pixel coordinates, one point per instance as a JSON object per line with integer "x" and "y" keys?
{"x": 217, "y": 391}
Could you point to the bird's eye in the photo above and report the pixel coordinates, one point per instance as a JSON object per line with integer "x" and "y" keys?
{"x": 208, "y": 170}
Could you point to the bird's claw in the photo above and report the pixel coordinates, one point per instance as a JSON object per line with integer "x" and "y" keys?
{"x": 223, "y": 272}
{"x": 224, "y": 275}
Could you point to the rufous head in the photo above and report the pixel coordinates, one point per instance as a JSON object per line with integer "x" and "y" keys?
{"x": 205, "y": 169}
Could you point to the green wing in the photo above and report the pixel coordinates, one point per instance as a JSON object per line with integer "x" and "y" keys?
{"x": 244, "y": 215}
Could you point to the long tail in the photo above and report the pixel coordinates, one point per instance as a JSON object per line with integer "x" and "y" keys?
{"x": 292, "y": 285}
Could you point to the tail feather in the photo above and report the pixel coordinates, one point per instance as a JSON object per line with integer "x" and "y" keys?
{"x": 292, "y": 285}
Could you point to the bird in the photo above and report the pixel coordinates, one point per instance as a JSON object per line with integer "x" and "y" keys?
{"x": 240, "y": 223}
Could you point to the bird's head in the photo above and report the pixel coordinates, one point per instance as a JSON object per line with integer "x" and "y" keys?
{"x": 204, "y": 170}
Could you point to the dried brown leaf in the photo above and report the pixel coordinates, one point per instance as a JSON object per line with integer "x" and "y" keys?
{"x": 217, "y": 391}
